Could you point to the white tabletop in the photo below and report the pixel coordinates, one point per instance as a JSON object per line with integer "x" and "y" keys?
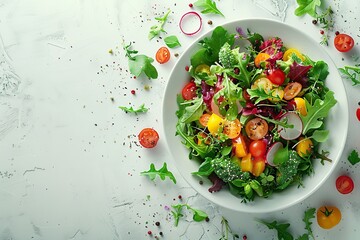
{"x": 70, "y": 161}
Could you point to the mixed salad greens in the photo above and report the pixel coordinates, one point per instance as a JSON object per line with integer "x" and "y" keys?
{"x": 253, "y": 116}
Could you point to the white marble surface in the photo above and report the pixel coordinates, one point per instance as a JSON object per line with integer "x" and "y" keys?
{"x": 69, "y": 158}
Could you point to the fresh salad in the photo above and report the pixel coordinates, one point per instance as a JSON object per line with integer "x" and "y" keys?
{"x": 252, "y": 113}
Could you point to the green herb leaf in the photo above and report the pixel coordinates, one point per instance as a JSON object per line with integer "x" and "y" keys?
{"x": 320, "y": 135}
{"x": 198, "y": 215}
{"x": 308, "y": 216}
{"x": 172, "y": 41}
{"x": 162, "y": 173}
{"x": 208, "y": 6}
{"x": 282, "y": 229}
{"x": 140, "y": 109}
{"x": 354, "y": 157}
{"x": 205, "y": 168}
{"x": 156, "y": 29}
{"x": 177, "y": 213}
{"x": 317, "y": 111}
{"x": 281, "y": 156}
{"x": 194, "y": 111}
{"x": 352, "y": 73}
{"x": 307, "y": 7}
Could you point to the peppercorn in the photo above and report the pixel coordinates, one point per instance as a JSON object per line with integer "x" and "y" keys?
{"x": 314, "y": 21}
{"x": 190, "y": 5}
{"x": 337, "y": 33}
{"x": 210, "y": 22}
{"x": 157, "y": 223}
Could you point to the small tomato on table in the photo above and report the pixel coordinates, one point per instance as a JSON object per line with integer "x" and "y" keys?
{"x": 328, "y": 216}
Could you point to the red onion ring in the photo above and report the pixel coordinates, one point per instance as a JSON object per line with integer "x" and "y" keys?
{"x": 182, "y": 19}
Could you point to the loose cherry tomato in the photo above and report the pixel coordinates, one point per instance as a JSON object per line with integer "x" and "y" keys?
{"x": 344, "y": 184}
{"x": 343, "y": 42}
{"x": 358, "y": 113}
{"x": 162, "y": 55}
{"x": 292, "y": 90}
{"x": 276, "y": 76}
{"x": 189, "y": 91}
{"x": 257, "y": 148}
{"x": 148, "y": 137}
{"x": 232, "y": 129}
{"x": 256, "y": 128}
{"x": 328, "y": 217}
{"x": 204, "y": 119}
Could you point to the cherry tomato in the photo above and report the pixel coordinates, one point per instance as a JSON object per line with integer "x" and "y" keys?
{"x": 215, "y": 124}
{"x": 358, "y": 113}
{"x": 276, "y": 76}
{"x": 304, "y": 147}
{"x": 344, "y": 184}
{"x": 148, "y": 137}
{"x": 328, "y": 217}
{"x": 232, "y": 129}
{"x": 162, "y": 55}
{"x": 189, "y": 91}
{"x": 260, "y": 58}
{"x": 256, "y": 128}
{"x": 343, "y": 42}
{"x": 292, "y": 90}
{"x": 257, "y": 148}
{"x": 204, "y": 119}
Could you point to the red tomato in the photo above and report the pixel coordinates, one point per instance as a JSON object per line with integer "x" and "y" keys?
{"x": 343, "y": 42}
{"x": 358, "y": 113}
{"x": 344, "y": 184}
{"x": 292, "y": 90}
{"x": 256, "y": 128}
{"x": 189, "y": 91}
{"x": 276, "y": 76}
{"x": 162, "y": 55}
{"x": 148, "y": 138}
{"x": 257, "y": 148}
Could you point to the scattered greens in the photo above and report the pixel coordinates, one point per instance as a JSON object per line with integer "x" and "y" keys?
{"x": 208, "y": 6}
{"x": 162, "y": 173}
{"x": 282, "y": 228}
{"x": 352, "y": 73}
{"x": 354, "y": 157}
{"x": 198, "y": 215}
{"x": 327, "y": 24}
{"x": 172, "y": 41}
{"x": 140, "y": 63}
{"x": 226, "y": 230}
{"x": 140, "y": 109}
{"x": 307, "y": 7}
{"x": 158, "y": 28}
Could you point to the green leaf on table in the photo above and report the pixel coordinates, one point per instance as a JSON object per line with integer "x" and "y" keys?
{"x": 308, "y": 216}
{"x": 172, "y": 41}
{"x": 307, "y": 7}
{"x": 198, "y": 215}
{"x": 354, "y": 157}
{"x": 140, "y": 109}
{"x": 162, "y": 173}
{"x": 317, "y": 112}
{"x": 281, "y": 229}
{"x": 158, "y": 28}
{"x": 208, "y": 6}
{"x": 352, "y": 73}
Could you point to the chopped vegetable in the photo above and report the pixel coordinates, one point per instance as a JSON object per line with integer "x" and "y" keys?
{"x": 148, "y": 138}
{"x": 208, "y": 6}
{"x": 163, "y": 172}
{"x": 187, "y": 17}
{"x": 344, "y": 184}
{"x": 162, "y": 55}
{"x": 157, "y": 29}
{"x": 343, "y": 42}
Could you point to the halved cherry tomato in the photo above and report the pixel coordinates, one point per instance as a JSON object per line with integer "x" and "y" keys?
{"x": 239, "y": 146}
{"x": 256, "y": 128}
{"x": 162, "y": 55}
{"x": 148, "y": 137}
{"x": 343, "y": 42}
{"x": 204, "y": 119}
{"x": 300, "y": 106}
{"x": 328, "y": 217}
{"x": 292, "y": 90}
{"x": 262, "y": 83}
{"x": 246, "y": 163}
{"x": 258, "y": 166}
{"x": 344, "y": 184}
{"x": 189, "y": 91}
{"x": 257, "y": 148}
{"x": 358, "y": 114}
{"x": 260, "y": 58}
{"x": 232, "y": 129}
{"x": 203, "y": 137}
{"x": 276, "y": 76}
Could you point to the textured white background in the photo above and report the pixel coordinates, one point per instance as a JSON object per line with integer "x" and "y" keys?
{"x": 69, "y": 158}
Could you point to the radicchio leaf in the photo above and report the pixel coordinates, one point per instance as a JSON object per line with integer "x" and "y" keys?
{"x": 298, "y": 72}
{"x": 272, "y": 46}
{"x": 217, "y": 183}
{"x": 207, "y": 92}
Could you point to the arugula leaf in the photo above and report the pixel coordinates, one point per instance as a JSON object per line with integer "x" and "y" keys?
{"x": 193, "y": 111}
{"x": 352, "y": 73}
{"x": 260, "y": 94}
{"x": 308, "y": 216}
{"x": 205, "y": 168}
{"x": 140, "y": 109}
{"x": 317, "y": 111}
{"x": 245, "y": 76}
{"x": 208, "y": 6}
{"x": 177, "y": 213}
{"x": 307, "y": 7}
{"x": 354, "y": 157}
{"x": 172, "y": 41}
{"x": 156, "y": 29}
{"x": 198, "y": 215}
{"x": 201, "y": 150}
{"x": 162, "y": 173}
{"x": 281, "y": 229}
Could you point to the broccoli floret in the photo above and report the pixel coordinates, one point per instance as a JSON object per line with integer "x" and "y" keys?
{"x": 227, "y": 169}
{"x": 226, "y": 56}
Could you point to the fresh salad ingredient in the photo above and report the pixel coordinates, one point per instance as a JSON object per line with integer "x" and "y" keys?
{"x": 344, "y": 184}
{"x": 358, "y": 114}
{"x": 187, "y": 25}
{"x": 158, "y": 28}
{"x": 163, "y": 172}
{"x": 198, "y": 215}
{"x": 328, "y": 216}
{"x": 172, "y": 41}
{"x": 140, "y": 63}
{"x": 208, "y": 6}
{"x": 343, "y": 42}
{"x": 307, "y": 7}
{"x": 352, "y": 73}
{"x": 325, "y": 18}
{"x": 148, "y": 137}
{"x": 353, "y": 157}
{"x": 162, "y": 55}
{"x": 254, "y": 121}
{"x": 140, "y": 109}
{"x": 226, "y": 231}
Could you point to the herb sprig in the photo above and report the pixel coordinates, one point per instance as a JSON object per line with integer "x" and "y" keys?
{"x": 354, "y": 157}
{"x": 198, "y": 215}
{"x": 155, "y": 30}
{"x": 140, "y": 109}
{"x": 162, "y": 173}
{"x": 226, "y": 230}
{"x": 352, "y": 73}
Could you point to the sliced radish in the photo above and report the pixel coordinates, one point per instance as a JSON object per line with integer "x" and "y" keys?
{"x": 272, "y": 151}
{"x": 287, "y": 133}
{"x": 190, "y": 23}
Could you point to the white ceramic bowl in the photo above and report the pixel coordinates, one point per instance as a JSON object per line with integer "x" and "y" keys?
{"x": 337, "y": 121}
